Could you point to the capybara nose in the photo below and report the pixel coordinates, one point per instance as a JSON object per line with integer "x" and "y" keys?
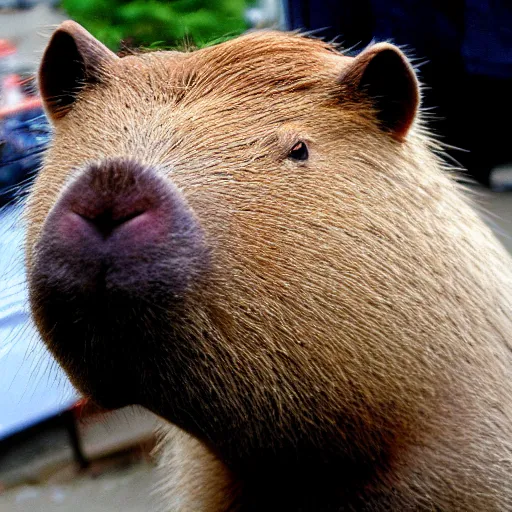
{"x": 119, "y": 227}
{"x": 115, "y": 199}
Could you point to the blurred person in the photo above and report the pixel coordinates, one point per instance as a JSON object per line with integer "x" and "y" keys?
{"x": 464, "y": 53}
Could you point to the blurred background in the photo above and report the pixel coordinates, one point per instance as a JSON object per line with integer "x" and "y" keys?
{"x": 58, "y": 452}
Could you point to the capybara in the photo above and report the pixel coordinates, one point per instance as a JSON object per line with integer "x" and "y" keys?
{"x": 258, "y": 242}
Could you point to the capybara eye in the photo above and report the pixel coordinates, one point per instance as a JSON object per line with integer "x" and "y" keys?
{"x": 299, "y": 152}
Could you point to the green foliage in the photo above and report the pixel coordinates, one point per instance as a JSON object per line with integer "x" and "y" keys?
{"x": 171, "y": 23}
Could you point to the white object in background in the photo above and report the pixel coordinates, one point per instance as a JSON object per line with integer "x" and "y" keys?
{"x": 267, "y": 14}
{"x": 12, "y": 94}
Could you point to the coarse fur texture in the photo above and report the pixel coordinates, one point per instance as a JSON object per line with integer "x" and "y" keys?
{"x": 346, "y": 346}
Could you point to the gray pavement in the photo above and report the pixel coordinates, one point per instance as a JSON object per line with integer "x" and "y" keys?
{"x": 29, "y": 30}
{"x": 121, "y": 490}
{"x": 496, "y": 209}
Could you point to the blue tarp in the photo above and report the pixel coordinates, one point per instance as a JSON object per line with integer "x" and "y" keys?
{"x": 32, "y": 386}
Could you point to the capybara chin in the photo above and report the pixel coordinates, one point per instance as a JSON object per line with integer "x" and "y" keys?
{"x": 256, "y": 241}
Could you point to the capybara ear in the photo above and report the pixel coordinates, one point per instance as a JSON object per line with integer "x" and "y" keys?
{"x": 72, "y": 60}
{"x": 383, "y": 73}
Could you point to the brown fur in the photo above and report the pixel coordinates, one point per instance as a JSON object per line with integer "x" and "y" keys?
{"x": 352, "y": 337}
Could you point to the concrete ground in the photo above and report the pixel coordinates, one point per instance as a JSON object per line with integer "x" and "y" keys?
{"x": 39, "y": 474}
{"x": 496, "y": 208}
{"x": 126, "y": 487}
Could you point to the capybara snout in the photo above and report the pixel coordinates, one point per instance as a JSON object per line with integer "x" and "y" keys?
{"x": 121, "y": 216}
{"x": 119, "y": 238}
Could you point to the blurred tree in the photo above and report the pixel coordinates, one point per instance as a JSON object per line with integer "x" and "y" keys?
{"x": 142, "y": 22}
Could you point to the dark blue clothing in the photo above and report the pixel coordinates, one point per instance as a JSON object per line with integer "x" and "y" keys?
{"x": 479, "y": 31}
{"x": 465, "y": 51}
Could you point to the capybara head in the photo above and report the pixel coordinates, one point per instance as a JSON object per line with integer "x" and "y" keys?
{"x": 251, "y": 240}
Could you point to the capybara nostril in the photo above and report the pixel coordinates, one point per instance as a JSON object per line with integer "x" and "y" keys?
{"x": 106, "y": 221}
